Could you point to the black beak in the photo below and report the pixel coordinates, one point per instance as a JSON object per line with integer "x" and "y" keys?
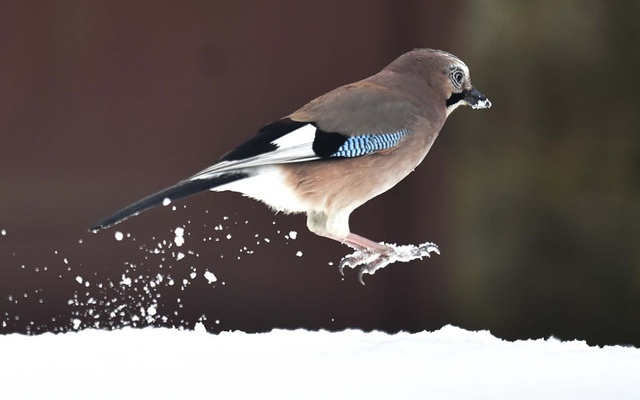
{"x": 476, "y": 99}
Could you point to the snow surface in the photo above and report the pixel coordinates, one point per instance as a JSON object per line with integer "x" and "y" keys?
{"x": 447, "y": 364}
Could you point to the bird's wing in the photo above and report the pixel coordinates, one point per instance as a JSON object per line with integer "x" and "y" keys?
{"x": 351, "y": 121}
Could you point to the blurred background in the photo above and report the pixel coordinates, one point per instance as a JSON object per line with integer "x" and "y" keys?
{"x": 535, "y": 203}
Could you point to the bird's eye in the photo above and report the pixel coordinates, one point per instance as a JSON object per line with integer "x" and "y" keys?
{"x": 457, "y": 77}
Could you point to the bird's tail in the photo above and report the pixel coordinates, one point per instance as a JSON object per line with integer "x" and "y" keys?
{"x": 180, "y": 190}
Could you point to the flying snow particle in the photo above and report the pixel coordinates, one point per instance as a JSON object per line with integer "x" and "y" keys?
{"x": 151, "y": 310}
{"x": 3, "y": 232}
{"x": 299, "y": 254}
{"x": 79, "y": 279}
{"x": 125, "y": 281}
{"x": 179, "y": 239}
{"x": 193, "y": 275}
{"x": 119, "y": 235}
{"x": 179, "y": 256}
{"x": 166, "y": 201}
{"x": 229, "y": 236}
{"x": 76, "y": 323}
{"x": 293, "y": 235}
{"x": 210, "y": 277}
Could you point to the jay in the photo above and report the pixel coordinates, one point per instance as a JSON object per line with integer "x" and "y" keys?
{"x": 339, "y": 151}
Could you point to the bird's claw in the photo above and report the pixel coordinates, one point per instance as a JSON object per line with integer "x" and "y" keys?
{"x": 356, "y": 258}
{"x": 371, "y": 260}
{"x": 380, "y": 262}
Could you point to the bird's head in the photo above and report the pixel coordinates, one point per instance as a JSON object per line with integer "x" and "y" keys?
{"x": 458, "y": 86}
{"x": 446, "y": 74}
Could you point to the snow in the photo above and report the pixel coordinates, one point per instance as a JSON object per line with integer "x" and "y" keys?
{"x": 126, "y": 281}
{"x": 451, "y": 363}
{"x": 210, "y": 277}
{"x": 179, "y": 238}
{"x": 481, "y": 104}
{"x": 118, "y": 235}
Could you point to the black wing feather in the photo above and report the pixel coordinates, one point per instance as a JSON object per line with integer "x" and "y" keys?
{"x": 262, "y": 142}
{"x": 176, "y": 192}
{"x": 324, "y": 144}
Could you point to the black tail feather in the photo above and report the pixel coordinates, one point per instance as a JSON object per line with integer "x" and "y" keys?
{"x": 180, "y": 190}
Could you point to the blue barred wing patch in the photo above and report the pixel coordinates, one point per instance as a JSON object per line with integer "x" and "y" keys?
{"x": 361, "y": 145}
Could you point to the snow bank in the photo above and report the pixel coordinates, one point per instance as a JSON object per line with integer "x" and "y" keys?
{"x": 447, "y": 364}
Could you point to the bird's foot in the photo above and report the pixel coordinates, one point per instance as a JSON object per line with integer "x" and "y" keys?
{"x": 371, "y": 260}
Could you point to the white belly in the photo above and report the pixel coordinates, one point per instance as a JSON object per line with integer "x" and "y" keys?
{"x": 269, "y": 187}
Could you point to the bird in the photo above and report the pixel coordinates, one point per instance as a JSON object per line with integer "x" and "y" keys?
{"x": 339, "y": 151}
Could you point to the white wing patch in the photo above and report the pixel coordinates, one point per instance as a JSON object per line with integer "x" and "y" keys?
{"x": 302, "y": 136}
{"x": 295, "y": 146}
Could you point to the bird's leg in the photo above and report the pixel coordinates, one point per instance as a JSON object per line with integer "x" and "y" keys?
{"x": 372, "y": 256}
{"x": 369, "y": 255}
{"x": 359, "y": 242}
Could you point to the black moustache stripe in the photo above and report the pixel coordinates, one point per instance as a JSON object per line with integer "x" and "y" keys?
{"x": 455, "y": 98}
